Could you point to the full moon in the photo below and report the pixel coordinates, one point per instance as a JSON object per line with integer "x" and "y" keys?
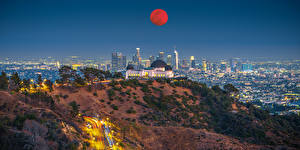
{"x": 159, "y": 17}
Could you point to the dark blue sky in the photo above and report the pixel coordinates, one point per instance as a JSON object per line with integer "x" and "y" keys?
{"x": 210, "y": 28}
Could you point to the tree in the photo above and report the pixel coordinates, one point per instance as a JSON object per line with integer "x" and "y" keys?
{"x": 15, "y": 82}
{"x": 107, "y": 74}
{"x": 3, "y": 81}
{"x": 75, "y": 108}
{"x": 230, "y": 88}
{"x": 39, "y": 80}
{"x": 49, "y": 84}
{"x": 26, "y": 84}
{"x": 118, "y": 75}
{"x": 67, "y": 74}
{"x": 91, "y": 74}
{"x": 217, "y": 89}
{"x": 79, "y": 81}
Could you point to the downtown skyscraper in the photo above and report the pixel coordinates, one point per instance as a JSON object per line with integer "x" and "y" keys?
{"x": 176, "y": 61}
{"x": 169, "y": 60}
{"x": 137, "y": 57}
{"x": 118, "y": 61}
{"x": 161, "y": 56}
{"x": 192, "y": 61}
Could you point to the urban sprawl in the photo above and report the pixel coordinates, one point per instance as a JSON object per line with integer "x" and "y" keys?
{"x": 273, "y": 85}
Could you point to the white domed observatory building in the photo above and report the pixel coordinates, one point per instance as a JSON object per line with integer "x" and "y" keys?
{"x": 158, "y": 69}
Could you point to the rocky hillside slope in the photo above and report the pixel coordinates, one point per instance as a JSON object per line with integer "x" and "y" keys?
{"x": 161, "y": 114}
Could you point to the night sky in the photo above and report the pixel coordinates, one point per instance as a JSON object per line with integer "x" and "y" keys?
{"x": 210, "y": 28}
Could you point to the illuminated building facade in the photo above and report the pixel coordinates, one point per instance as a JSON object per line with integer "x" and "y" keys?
{"x": 118, "y": 61}
{"x": 176, "y": 61}
{"x": 158, "y": 69}
{"x": 161, "y": 56}
{"x": 169, "y": 60}
{"x": 193, "y": 64}
{"x": 204, "y": 65}
{"x": 137, "y": 57}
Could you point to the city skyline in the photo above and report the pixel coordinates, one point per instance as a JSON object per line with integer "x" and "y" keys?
{"x": 229, "y": 29}
{"x": 153, "y": 75}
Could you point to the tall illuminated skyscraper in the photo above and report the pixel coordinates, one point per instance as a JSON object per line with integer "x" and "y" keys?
{"x": 57, "y": 64}
{"x": 123, "y": 61}
{"x": 175, "y": 60}
{"x": 118, "y": 61}
{"x": 185, "y": 63}
{"x": 192, "y": 62}
{"x": 147, "y": 63}
{"x": 161, "y": 56}
{"x": 223, "y": 66}
{"x": 169, "y": 60}
{"x": 138, "y": 56}
{"x": 151, "y": 58}
{"x": 114, "y": 61}
{"x": 204, "y": 65}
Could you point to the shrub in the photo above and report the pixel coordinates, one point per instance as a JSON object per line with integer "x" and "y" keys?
{"x": 113, "y": 106}
{"x": 75, "y": 108}
{"x": 65, "y": 96}
{"x": 137, "y": 102}
{"x": 95, "y": 94}
{"x": 89, "y": 88}
{"x": 121, "y": 144}
{"x": 128, "y": 92}
{"x": 149, "y": 82}
{"x": 131, "y": 111}
{"x": 19, "y": 120}
{"x": 185, "y": 93}
{"x": 145, "y": 89}
{"x": 111, "y": 93}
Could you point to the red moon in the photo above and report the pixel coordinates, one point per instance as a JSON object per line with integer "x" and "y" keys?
{"x": 159, "y": 17}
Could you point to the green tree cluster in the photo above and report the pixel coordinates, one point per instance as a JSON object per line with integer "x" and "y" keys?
{"x": 75, "y": 108}
{"x": 3, "y": 81}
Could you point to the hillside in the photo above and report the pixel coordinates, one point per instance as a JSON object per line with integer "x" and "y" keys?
{"x": 160, "y": 114}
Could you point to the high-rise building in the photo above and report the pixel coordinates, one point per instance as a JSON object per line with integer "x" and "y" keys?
{"x": 214, "y": 67}
{"x": 192, "y": 58}
{"x": 175, "y": 63}
{"x": 192, "y": 62}
{"x": 246, "y": 67}
{"x": 138, "y": 56}
{"x": 57, "y": 64}
{"x": 102, "y": 67}
{"x": 118, "y": 61}
{"x": 169, "y": 60}
{"x": 185, "y": 63}
{"x": 147, "y": 63}
{"x": 223, "y": 66}
{"x": 204, "y": 65}
{"x": 114, "y": 61}
{"x": 124, "y": 62}
{"x": 231, "y": 64}
{"x": 76, "y": 66}
{"x": 152, "y": 59}
{"x": 161, "y": 56}
{"x": 108, "y": 67}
